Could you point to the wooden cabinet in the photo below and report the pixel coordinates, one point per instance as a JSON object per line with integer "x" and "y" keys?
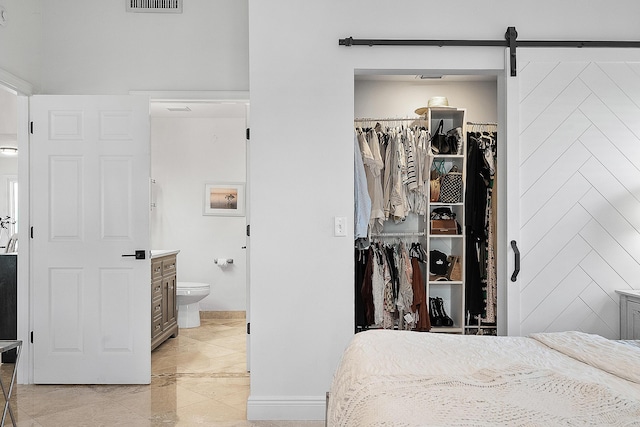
{"x": 629, "y": 314}
{"x": 164, "y": 308}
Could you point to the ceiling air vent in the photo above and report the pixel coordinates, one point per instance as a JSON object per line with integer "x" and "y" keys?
{"x": 161, "y": 6}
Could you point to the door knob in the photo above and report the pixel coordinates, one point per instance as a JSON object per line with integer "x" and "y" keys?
{"x": 139, "y": 254}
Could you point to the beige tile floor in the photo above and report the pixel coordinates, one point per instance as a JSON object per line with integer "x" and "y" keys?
{"x": 198, "y": 379}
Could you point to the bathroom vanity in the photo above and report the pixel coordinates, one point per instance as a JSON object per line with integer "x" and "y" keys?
{"x": 164, "y": 309}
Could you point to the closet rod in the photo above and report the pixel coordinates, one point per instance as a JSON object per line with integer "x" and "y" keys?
{"x": 388, "y": 120}
{"x": 510, "y": 41}
{"x": 399, "y": 234}
{"x": 483, "y": 123}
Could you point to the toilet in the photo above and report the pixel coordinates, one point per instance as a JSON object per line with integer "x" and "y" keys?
{"x": 189, "y": 295}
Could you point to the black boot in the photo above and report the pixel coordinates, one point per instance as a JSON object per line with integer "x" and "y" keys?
{"x": 434, "y": 314}
{"x": 446, "y": 320}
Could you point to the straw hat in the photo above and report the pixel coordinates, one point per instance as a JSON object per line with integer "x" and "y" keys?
{"x": 435, "y": 101}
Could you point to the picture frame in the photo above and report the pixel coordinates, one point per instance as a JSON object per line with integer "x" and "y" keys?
{"x": 224, "y": 199}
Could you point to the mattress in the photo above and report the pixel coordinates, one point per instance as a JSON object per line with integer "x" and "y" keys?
{"x": 404, "y": 378}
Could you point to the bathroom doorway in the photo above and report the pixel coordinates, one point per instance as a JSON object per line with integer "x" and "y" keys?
{"x": 195, "y": 143}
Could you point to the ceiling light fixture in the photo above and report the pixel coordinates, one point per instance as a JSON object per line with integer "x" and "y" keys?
{"x": 9, "y": 151}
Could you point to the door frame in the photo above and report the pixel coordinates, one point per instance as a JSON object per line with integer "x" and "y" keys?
{"x": 22, "y": 89}
{"x": 224, "y": 97}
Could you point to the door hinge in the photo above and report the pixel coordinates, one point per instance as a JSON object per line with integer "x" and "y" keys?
{"x": 248, "y": 134}
{"x": 249, "y": 328}
{"x": 248, "y": 230}
{"x": 32, "y": 232}
{"x": 31, "y": 128}
{"x": 31, "y": 337}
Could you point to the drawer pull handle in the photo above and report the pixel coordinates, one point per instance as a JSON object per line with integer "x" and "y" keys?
{"x": 516, "y": 268}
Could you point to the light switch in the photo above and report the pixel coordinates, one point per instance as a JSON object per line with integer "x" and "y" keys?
{"x": 340, "y": 226}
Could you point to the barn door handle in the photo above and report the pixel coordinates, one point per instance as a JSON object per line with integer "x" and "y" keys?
{"x": 516, "y": 268}
{"x": 139, "y": 254}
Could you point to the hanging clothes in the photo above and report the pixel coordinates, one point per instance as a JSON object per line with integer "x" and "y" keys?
{"x": 396, "y": 163}
{"x": 478, "y": 217}
{"x": 362, "y": 207}
{"x": 373, "y": 164}
{"x": 392, "y": 288}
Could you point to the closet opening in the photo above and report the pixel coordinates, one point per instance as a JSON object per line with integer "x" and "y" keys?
{"x": 426, "y": 246}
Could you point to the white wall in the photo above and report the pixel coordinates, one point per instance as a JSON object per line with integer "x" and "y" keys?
{"x": 186, "y": 153}
{"x": 302, "y": 307}
{"x": 393, "y": 99}
{"x": 21, "y": 39}
{"x": 95, "y": 47}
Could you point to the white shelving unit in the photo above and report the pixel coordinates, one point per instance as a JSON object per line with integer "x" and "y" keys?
{"x": 451, "y": 292}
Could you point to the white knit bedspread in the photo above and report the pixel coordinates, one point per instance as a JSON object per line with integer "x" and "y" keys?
{"x": 400, "y": 378}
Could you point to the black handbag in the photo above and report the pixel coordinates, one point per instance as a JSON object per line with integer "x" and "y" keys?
{"x": 438, "y": 263}
{"x": 440, "y": 143}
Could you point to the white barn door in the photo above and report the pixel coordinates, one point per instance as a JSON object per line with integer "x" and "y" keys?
{"x": 90, "y": 205}
{"x": 577, "y": 164}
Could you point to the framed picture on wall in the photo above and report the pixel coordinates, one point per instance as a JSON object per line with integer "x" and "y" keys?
{"x": 224, "y": 199}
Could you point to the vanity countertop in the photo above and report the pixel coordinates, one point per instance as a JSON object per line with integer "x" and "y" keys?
{"x": 157, "y": 253}
{"x": 630, "y": 292}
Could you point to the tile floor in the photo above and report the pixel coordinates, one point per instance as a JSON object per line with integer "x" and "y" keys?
{"x": 198, "y": 379}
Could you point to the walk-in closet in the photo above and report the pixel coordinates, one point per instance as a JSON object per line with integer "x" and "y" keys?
{"x": 425, "y": 173}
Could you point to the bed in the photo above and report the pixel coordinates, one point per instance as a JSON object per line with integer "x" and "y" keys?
{"x": 404, "y": 378}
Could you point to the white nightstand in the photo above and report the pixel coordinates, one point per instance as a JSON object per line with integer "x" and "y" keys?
{"x": 629, "y": 314}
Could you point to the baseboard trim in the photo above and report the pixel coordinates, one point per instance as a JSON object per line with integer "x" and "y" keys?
{"x": 291, "y": 408}
{"x": 223, "y": 314}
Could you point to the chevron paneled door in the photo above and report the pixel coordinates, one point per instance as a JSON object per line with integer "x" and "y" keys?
{"x": 579, "y": 172}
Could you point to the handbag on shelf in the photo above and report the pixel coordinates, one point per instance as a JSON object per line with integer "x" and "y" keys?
{"x": 439, "y": 141}
{"x": 454, "y": 139}
{"x": 438, "y": 264}
{"x": 443, "y": 212}
{"x": 444, "y": 226}
{"x": 451, "y": 186}
{"x": 434, "y": 186}
{"x": 454, "y": 271}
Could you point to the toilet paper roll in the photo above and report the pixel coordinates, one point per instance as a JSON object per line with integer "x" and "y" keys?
{"x": 221, "y": 262}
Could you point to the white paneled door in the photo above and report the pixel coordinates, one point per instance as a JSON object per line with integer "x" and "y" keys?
{"x": 90, "y": 205}
{"x": 577, "y": 164}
